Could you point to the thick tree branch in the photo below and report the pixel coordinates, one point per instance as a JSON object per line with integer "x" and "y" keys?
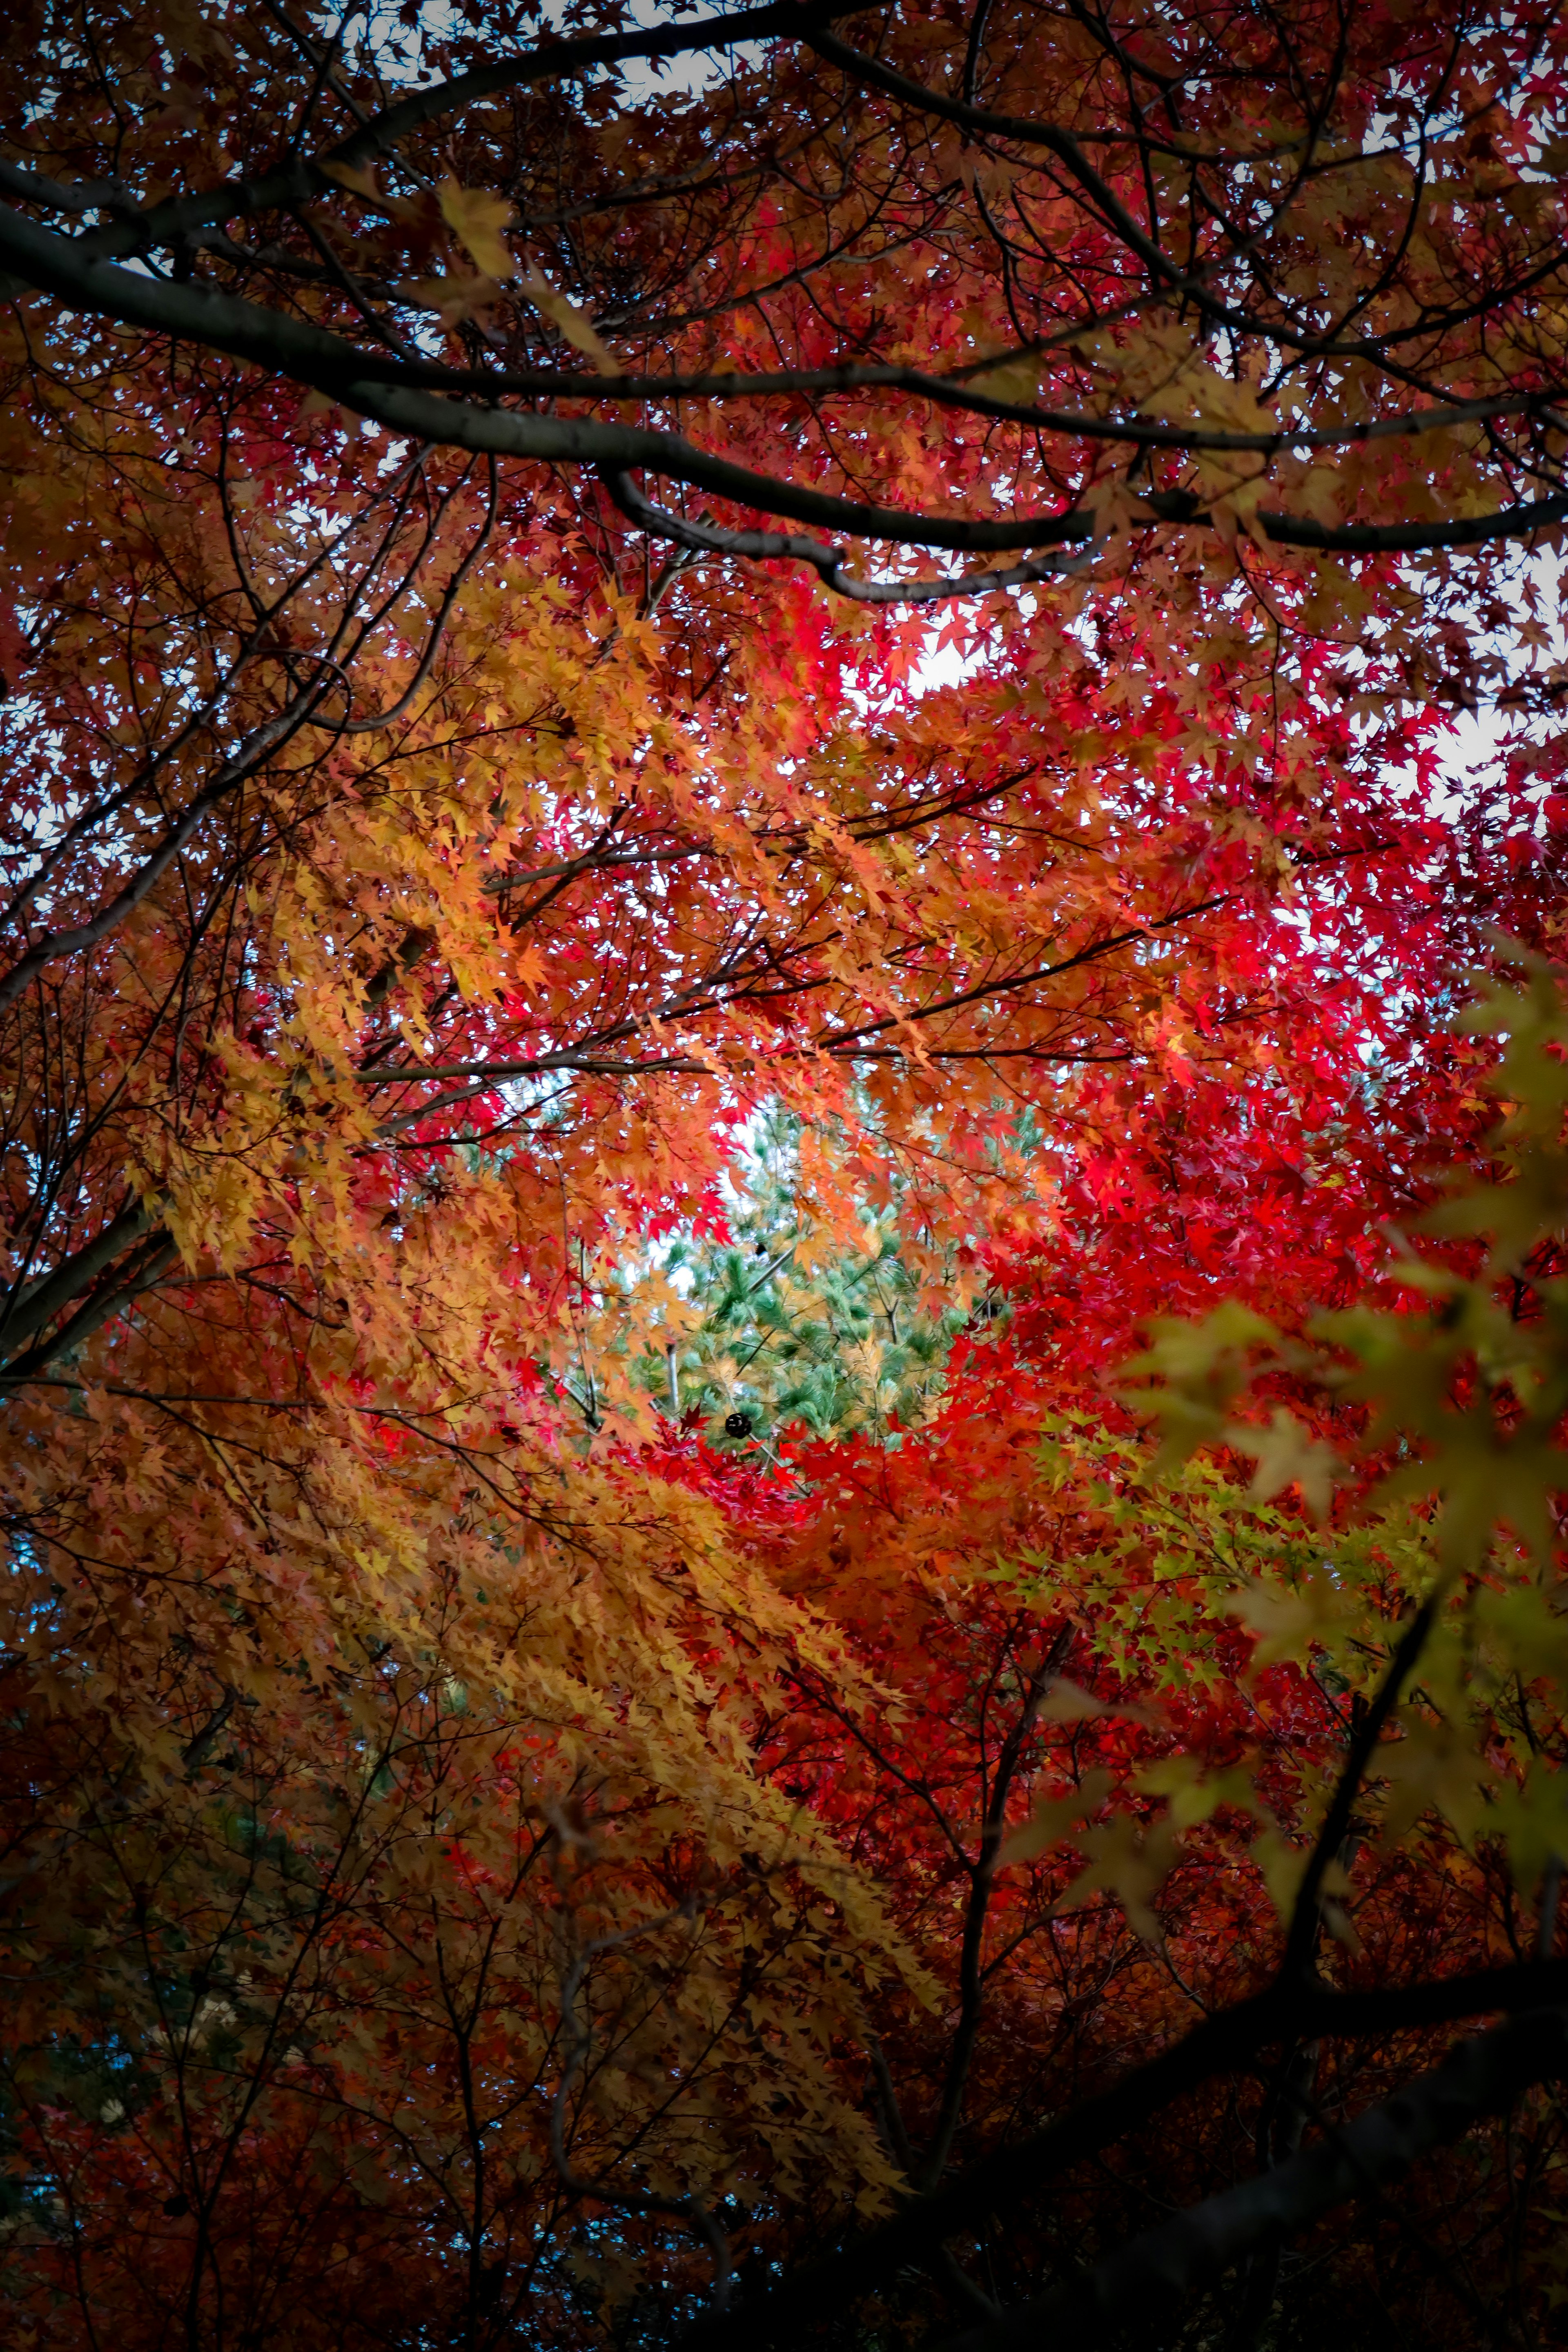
{"x": 1145, "y": 2283}
{"x": 1003, "y": 2178}
{"x": 828, "y": 563}
{"x": 147, "y": 1264}
{"x": 39, "y": 1301}
{"x": 330, "y": 364}
{"x": 271, "y": 340}
{"x": 959, "y": 390}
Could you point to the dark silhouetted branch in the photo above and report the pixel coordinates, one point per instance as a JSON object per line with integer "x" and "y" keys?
{"x": 1011, "y": 2174}
{"x": 1143, "y": 2285}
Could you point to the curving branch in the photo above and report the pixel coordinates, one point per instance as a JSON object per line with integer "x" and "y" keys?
{"x": 331, "y": 365}
{"x": 1146, "y": 2283}
{"x": 828, "y": 563}
{"x": 1227, "y": 2040}
{"x": 180, "y": 220}
{"x": 370, "y": 385}
{"x": 961, "y": 389}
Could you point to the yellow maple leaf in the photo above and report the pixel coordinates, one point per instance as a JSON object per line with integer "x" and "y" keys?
{"x": 358, "y": 178}
{"x": 1285, "y": 1456}
{"x": 1215, "y": 399}
{"x": 1066, "y": 1702}
{"x": 1288, "y": 1621}
{"x": 573, "y": 323}
{"x": 1130, "y": 1862}
{"x": 454, "y": 298}
{"x": 1015, "y": 380}
{"x": 477, "y": 221}
{"x": 1234, "y": 514}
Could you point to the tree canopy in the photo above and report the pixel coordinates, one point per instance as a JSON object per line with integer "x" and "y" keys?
{"x": 783, "y": 1332}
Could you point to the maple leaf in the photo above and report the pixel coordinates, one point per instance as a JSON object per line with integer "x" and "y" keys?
{"x": 574, "y": 323}
{"x": 1053, "y": 1821}
{"x": 1287, "y": 1456}
{"x": 1217, "y": 399}
{"x": 1016, "y": 380}
{"x": 455, "y": 299}
{"x": 358, "y": 178}
{"x": 477, "y": 221}
{"x": 1130, "y": 1861}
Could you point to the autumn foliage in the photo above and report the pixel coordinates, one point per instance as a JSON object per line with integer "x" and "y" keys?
{"x": 784, "y": 1328}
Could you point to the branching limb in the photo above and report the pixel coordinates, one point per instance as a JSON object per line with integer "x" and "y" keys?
{"x": 282, "y": 345}
{"x": 56, "y": 945}
{"x": 42, "y": 1299}
{"x": 828, "y": 563}
{"x": 982, "y": 1880}
{"x": 1231, "y": 2039}
{"x": 1146, "y": 2283}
